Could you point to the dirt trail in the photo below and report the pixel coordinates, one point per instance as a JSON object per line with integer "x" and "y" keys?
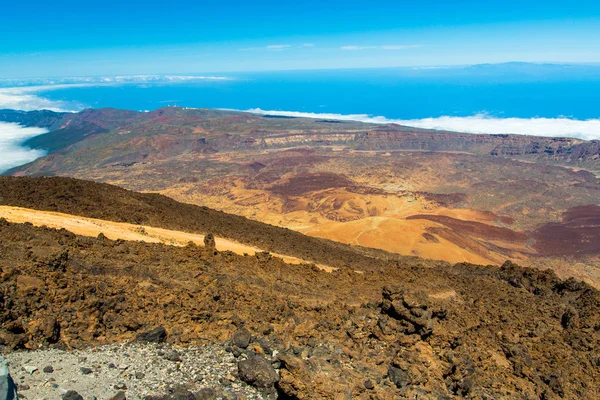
{"x": 120, "y": 230}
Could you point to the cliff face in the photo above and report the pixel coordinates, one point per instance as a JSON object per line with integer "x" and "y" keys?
{"x": 562, "y": 150}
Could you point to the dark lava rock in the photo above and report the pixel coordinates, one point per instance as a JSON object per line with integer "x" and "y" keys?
{"x": 409, "y": 307}
{"x": 206, "y": 394}
{"x": 264, "y": 344}
{"x": 156, "y": 335}
{"x": 241, "y": 338}
{"x": 209, "y": 241}
{"x": 258, "y": 371}
{"x": 236, "y": 351}
{"x": 173, "y": 356}
{"x": 182, "y": 396}
{"x": 369, "y": 384}
{"x": 51, "y": 330}
{"x": 49, "y": 369}
{"x": 72, "y": 395}
{"x": 86, "y": 370}
{"x": 119, "y": 396}
{"x": 176, "y": 394}
{"x": 398, "y": 377}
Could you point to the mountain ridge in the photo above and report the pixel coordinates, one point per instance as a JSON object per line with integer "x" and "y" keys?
{"x": 391, "y": 137}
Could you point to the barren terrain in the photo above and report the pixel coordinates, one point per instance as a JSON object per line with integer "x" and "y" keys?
{"x": 402, "y": 327}
{"x": 124, "y": 231}
{"x": 438, "y": 195}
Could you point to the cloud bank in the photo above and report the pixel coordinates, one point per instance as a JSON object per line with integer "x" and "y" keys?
{"x": 26, "y": 99}
{"x": 109, "y": 79}
{"x": 11, "y": 138}
{"x": 24, "y": 94}
{"x": 482, "y": 123}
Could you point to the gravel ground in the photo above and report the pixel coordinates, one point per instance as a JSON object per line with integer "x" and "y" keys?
{"x": 136, "y": 369}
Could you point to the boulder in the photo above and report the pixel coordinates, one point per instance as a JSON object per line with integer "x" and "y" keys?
{"x": 241, "y": 338}
{"x": 258, "y": 372}
{"x": 50, "y": 330}
{"x": 156, "y": 335}
{"x": 209, "y": 241}
{"x": 409, "y": 307}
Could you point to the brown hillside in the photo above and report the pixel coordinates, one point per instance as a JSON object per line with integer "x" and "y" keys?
{"x": 461, "y": 331}
{"x": 102, "y": 201}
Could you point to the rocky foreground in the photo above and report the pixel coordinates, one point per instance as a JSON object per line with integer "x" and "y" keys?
{"x": 255, "y": 326}
{"x": 140, "y": 370}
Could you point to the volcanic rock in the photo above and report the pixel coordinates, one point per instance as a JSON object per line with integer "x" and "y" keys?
{"x": 241, "y": 338}
{"x": 258, "y": 372}
{"x": 156, "y": 335}
{"x": 72, "y": 395}
{"x": 209, "y": 241}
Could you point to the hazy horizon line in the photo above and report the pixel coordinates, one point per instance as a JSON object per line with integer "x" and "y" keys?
{"x": 214, "y": 74}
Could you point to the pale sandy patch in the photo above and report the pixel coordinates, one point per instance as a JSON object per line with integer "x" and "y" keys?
{"x": 119, "y": 230}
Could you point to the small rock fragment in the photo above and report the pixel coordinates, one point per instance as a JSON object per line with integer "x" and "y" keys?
{"x": 48, "y": 369}
{"x": 71, "y": 395}
{"x": 236, "y": 351}
{"x": 206, "y": 394}
{"x": 173, "y": 356}
{"x": 119, "y": 396}
{"x": 30, "y": 369}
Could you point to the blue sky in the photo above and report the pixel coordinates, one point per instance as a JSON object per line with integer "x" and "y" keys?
{"x": 64, "y": 38}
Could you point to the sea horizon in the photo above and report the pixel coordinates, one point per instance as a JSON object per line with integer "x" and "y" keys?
{"x": 557, "y": 100}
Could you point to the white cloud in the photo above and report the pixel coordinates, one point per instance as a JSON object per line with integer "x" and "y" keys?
{"x": 11, "y": 137}
{"x": 549, "y": 127}
{"x": 25, "y": 99}
{"x": 385, "y": 47}
{"x": 26, "y": 96}
{"x": 278, "y": 46}
{"x": 113, "y": 79}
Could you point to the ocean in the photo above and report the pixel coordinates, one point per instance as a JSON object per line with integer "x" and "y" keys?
{"x": 521, "y": 98}
{"x": 402, "y": 93}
